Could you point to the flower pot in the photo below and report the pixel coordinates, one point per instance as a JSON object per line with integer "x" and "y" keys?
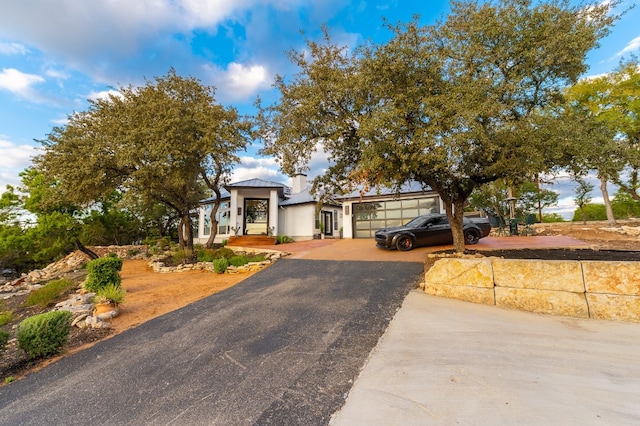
{"x": 101, "y": 308}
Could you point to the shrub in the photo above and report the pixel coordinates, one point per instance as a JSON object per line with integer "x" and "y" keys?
{"x": 44, "y": 334}
{"x": 283, "y": 239}
{"x": 220, "y": 265}
{"x": 227, "y": 253}
{"x": 4, "y": 338}
{"x": 238, "y": 260}
{"x": 50, "y": 292}
{"x": 102, "y": 272}
{"x": 5, "y": 317}
{"x": 206, "y": 255}
{"x": 110, "y": 293}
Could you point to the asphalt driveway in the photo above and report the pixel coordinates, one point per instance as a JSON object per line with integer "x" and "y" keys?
{"x": 282, "y": 347}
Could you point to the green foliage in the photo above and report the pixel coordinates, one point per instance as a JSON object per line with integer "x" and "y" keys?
{"x": 5, "y": 317}
{"x": 220, "y": 265}
{"x": 103, "y": 272}
{"x": 583, "y": 197}
{"x": 451, "y": 105}
{"x": 9, "y": 379}
{"x": 44, "y": 334}
{"x": 283, "y": 239}
{"x": 591, "y": 212}
{"x": 4, "y": 338}
{"x": 209, "y": 255}
{"x": 608, "y": 133}
{"x": 51, "y": 292}
{"x": 491, "y": 198}
{"x": 552, "y": 218}
{"x": 624, "y": 206}
{"x": 111, "y": 293}
{"x": 238, "y": 260}
{"x": 162, "y": 143}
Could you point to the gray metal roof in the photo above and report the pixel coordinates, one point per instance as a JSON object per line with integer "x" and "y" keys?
{"x": 302, "y": 197}
{"x": 255, "y": 183}
{"x": 406, "y": 188}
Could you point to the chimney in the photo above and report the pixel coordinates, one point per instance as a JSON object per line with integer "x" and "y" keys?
{"x": 299, "y": 183}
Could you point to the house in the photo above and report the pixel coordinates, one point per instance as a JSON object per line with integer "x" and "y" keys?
{"x": 260, "y": 207}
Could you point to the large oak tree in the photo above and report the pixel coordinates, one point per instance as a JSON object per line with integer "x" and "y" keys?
{"x": 164, "y": 142}
{"x": 451, "y": 105}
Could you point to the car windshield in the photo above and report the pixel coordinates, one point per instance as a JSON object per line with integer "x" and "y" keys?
{"x": 417, "y": 222}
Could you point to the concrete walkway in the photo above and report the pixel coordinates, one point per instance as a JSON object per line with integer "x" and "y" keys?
{"x": 445, "y": 362}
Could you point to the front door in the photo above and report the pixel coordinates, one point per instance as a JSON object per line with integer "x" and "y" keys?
{"x": 327, "y": 219}
{"x": 256, "y": 216}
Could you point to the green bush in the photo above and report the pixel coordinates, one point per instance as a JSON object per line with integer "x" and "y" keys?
{"x": 591, "y": 212}
{"x": 238, "y": 260}
{"x": 206, "y": 255}
{"x": 102, "y": 272}
{"x": 227, "y": 253}
{"x": 44, "y": 334}
{"x": 283, "y": 239}
{"x": 5, "y": 317}
{"x": 220, "y": 265}
{"x": 4, "y": 338}
{"x": 50, "y": 293}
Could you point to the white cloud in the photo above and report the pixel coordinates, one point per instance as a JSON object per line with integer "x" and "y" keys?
{"x": 13, "y": 49}
{"x": 632, "y": 46}
{"x": 14, "y": 159}
{"x": 242, "y": 81}
{"x": 103, "y": 94}
{"x": 20, "y": 83}
{"x": 257, "y": 168}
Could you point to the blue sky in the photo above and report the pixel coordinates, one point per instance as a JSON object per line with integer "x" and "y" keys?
{"x": 56, "y": 54}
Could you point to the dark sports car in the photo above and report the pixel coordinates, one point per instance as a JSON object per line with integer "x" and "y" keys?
{"x": 430, "y": 230}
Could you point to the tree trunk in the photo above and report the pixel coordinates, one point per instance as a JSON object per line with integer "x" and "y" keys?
{"x": 455, "y": 214}
{"x": 607, "y": 201}
{"x": 185, "y": 233}
{"x": 214, "y": 223}
{"x": 85, "y": 250}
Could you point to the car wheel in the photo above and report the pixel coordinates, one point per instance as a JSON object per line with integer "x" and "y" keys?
{"x": 471, "y": 236}
{"x": 404, "y": 243}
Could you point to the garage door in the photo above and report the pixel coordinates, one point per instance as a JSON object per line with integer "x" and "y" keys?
{"x": 371, "y": 216}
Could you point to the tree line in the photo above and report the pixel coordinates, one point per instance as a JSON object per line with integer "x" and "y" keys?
{"x": 490, "y": 94}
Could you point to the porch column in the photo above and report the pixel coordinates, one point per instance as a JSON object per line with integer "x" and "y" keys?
{"x": 235, "y": 219}
{"x": 273, "y": 211}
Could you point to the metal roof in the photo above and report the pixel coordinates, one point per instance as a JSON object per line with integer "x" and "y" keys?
{"x": 255, "y": 183}
{"x": 411, "y": 187}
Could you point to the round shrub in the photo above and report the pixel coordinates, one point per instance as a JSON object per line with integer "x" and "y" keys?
{"x": 44, "y": 334}
{"x": 224, "y": 252}
{"x": 220, "y": 265}
{"x": 103, "y": 272}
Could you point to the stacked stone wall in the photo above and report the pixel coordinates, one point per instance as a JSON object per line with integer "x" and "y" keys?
{"x": 585, "y": 289}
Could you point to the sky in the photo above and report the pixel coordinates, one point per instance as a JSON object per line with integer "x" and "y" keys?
{"x": 54, "y": 55}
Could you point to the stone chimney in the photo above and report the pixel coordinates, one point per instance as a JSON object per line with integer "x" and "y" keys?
{"x": 299, "y": 183}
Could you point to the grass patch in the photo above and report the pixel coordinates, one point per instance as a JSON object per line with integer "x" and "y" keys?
{"x": 50, "y": 293}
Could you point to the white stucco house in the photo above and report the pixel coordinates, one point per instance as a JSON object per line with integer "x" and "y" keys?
{"x": 260, "y": 207}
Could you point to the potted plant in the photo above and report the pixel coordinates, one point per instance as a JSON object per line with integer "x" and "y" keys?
{"x": 108, "y": 298}
{"x": 321, "y": 230}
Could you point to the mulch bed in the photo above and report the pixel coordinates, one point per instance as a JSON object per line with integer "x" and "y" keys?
{"x": 562, "y": 254}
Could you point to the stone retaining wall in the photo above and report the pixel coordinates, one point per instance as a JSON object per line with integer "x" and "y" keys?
{"x": 585, "y": 289}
